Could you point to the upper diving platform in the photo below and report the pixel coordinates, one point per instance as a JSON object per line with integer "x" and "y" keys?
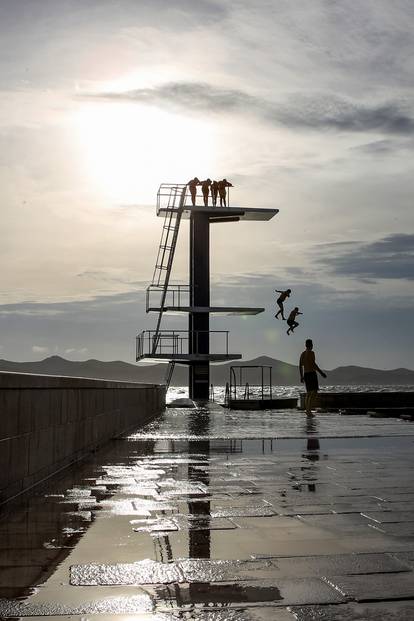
{"x": 216, "y": 213}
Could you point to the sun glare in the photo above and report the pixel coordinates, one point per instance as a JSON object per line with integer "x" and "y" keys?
{"x": 129, "y": 150}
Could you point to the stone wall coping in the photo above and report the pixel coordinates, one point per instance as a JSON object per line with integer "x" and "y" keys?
{"x": 13, "y": 380}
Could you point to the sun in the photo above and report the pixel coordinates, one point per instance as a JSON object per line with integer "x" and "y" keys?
{"x": 128, "y": 149}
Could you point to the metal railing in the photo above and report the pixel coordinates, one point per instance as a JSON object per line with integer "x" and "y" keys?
{"x": 180, "y": 342}
{"x": 167, "y": 189}
{"x": 176, "y": 296}
{"x": 239, "y": 388}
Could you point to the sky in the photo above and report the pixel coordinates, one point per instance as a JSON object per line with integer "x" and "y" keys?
{"x": 306, "y": 107}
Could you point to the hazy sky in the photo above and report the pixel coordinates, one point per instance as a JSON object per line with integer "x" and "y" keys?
{"x": 306, "y": 106}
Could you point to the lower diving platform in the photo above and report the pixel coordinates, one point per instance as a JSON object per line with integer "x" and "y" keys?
{"x": 177, "y": 299}
{"x": 184, "y": 346}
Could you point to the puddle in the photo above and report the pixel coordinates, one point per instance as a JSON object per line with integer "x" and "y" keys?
{"x": 211, "y": 509}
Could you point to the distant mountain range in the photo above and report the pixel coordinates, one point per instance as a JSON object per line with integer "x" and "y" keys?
{"x": 282, "y": 373}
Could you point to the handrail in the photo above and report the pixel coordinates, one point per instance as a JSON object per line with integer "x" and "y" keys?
{"x": 238, "y": 387}
{"x": 176, "y": 342}
{"x": 177, "y": 292}
{"x": 165, "y": 190}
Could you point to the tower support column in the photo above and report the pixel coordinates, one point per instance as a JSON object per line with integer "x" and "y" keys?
{"x": 199, "y": 323}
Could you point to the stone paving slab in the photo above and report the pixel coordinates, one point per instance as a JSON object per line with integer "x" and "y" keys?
{"x": 107, "y": 605}
{"x": 350, "y": 522}
{"x": 384, "y": 517}
{"x": 405, "y": 557}
{"x": 385, "y": 611}
{"x": 373, "y": 587}
{"x": 401, "y": 530}
{"x": 338, "y": 564}
{"x": 141, "y": 572}
{"x": 273, "y": 593}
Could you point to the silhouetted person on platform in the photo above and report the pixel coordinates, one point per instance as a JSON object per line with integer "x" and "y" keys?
{"x": 222, "y": 185}
{"x": 192, "y": 185}
{"x": 291, "y": 320}
{"x": 307, "y": 370}
{"x": 205, "y": 188}
{"x": 282, "y": 297}
{"x": 214, "y": 192}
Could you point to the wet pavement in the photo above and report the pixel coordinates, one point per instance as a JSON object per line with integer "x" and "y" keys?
{"x": 216, "y": 515}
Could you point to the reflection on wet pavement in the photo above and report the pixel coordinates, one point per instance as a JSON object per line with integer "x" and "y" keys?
{"x": 216, "y": 516}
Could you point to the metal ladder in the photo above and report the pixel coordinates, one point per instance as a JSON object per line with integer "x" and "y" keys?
{"x": 169, "y": 373}
{"x": 165, "y": 257}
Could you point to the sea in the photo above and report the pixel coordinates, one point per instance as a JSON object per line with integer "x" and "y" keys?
{"x": 217, "y": 392}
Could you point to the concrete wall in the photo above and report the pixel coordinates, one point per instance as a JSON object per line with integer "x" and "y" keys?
{"x": 48, "y": 422}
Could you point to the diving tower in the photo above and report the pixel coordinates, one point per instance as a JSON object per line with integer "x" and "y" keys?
{"x": 197, "y": 345}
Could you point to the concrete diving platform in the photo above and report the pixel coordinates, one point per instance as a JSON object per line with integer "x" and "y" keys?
{"x": 213, "y": 310}
{"x": 192, "y": 357}
{"x": 221, "y": 214}
{"x": 184, "y": 346}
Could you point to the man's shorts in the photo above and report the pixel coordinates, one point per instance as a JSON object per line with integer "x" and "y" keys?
{"x": 311, "y": 381}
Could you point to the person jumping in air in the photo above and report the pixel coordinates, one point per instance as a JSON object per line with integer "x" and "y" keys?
{"x": 308, "y": 376}
{"x": 222, "y": 185}
{"x": 192, "y": 186}
{"x": 205, "y": 188}
{"x": 291, "y": 321}
{"x": 282, "y": 297}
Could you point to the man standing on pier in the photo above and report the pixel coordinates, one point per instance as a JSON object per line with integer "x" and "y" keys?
{"x": 308, "y": 376}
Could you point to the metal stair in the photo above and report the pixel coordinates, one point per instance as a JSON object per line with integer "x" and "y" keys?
{"x": 165, "y": 256}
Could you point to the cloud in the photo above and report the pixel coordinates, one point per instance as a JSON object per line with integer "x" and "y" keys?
{"x": 383, "y": 147}
{"x": 29, "y": 312}
{"x": 38, "y": 349}
{"x": 312, "y": 112}
{"x": 72, "y": 350}
{"x": 391, "y": 257}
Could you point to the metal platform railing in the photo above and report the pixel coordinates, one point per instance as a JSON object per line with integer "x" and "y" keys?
{"x": 259, "y": 388}
{"x": 177, "y": 342}
{"x": 176, "y": 296}
{"x": 167, "y": 189}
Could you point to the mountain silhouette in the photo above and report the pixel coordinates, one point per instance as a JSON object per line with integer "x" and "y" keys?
{"x": 283, "y": 373}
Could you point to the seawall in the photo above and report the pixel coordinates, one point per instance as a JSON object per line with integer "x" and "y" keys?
{"x": 361, "y": 400}
{"x": 48, "y": 422}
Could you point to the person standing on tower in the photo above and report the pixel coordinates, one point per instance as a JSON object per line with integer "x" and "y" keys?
{"x": 205, "y": 188}
{"x": 282, "y": 297}
{"x": 222, "y": 185}
{"x": 214, "y": 192}
{"x": 307, "y": 370}
{"x": 291, "y": 320}
{"x": 192, "y": 186}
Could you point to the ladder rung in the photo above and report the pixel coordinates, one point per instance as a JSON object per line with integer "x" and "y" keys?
{"x": 161, "y": 267}
{"x": 164, "y": 247}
